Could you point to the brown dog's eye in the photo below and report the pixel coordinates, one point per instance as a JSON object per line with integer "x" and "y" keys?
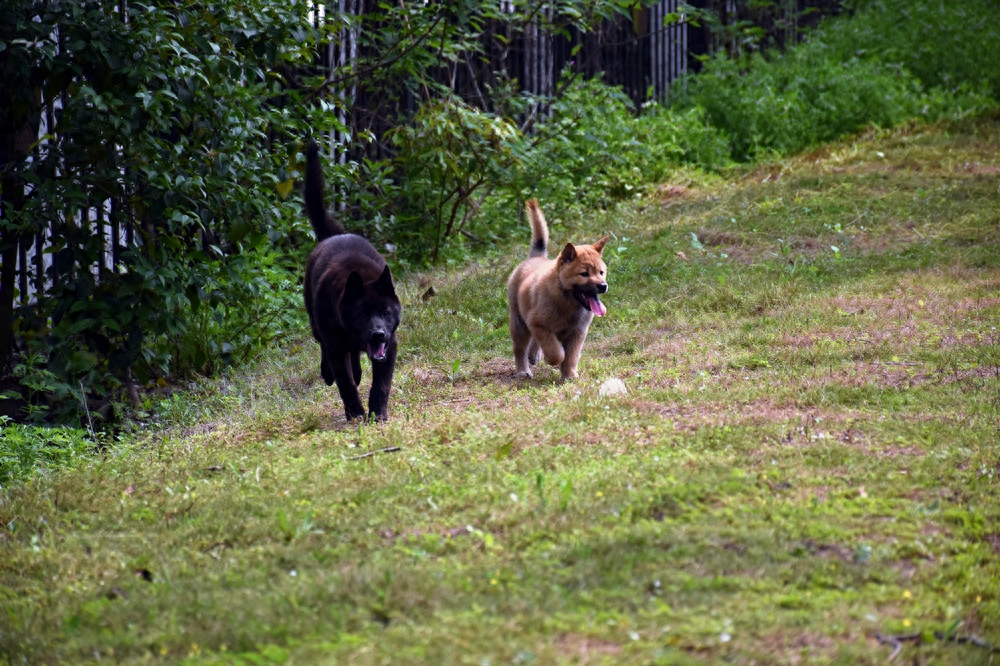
{"x": 585, "y": 274}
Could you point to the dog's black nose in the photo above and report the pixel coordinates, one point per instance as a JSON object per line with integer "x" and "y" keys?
{"x": 378, "y": 334}
{"x": 602, "y": 288}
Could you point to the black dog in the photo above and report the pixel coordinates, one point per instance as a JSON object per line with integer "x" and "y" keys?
{"x": 352, "y": 304}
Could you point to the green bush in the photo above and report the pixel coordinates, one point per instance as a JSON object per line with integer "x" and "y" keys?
{"x": 26, "y": 449}
{"x": 184, "y": 116}
{"x": 786, "y": 103}
{"x": 243, "y": 304}
{"x": 594, "y": 149}
{"x": 461, "y": 173}
{"x": 885, "y": 62}
{"x": 449, "y": 158}
{"x": 951, "y": 46}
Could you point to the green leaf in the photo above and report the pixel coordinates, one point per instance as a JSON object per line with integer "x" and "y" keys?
{"x": 504, "y": 450}
{"x": 285, "y": 188}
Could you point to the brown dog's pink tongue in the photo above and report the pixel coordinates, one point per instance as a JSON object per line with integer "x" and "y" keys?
{"x": 596, "y": 306}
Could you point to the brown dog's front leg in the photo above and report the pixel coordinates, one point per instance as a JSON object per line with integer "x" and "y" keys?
{"x": 534, "y": 352}
{"x": 574, "y": 347}
{"x": 551, "y": 348}
{"x": 521, "y": 337}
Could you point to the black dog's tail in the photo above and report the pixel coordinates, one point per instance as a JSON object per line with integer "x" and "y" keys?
{"x": 323, "y": 225}
{"x": 539, "y": 230}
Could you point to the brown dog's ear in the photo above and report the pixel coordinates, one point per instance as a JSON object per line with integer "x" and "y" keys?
{"x": 568, "y": 253}
{"x": 599, "y": 245}
{"x": 383, "y": 285}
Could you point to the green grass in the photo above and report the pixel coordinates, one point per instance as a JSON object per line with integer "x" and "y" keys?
{"x": 807, "y": 456}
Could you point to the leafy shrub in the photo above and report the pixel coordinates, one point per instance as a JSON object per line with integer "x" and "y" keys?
{"x": 951, "y": 46}
{"x": 171, "y": 114}
{"x": 26, "y": 449}
{"x": 462, "y": 173}
{"x": 886, "y": 62}
{"x": 594, "y": 149}
{"x": 786, "y": 103}
{"x": 450, "y": 157}
{"x": 243, "y": 303}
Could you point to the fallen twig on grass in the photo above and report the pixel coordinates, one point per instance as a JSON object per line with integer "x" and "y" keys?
{"x": 974, "y": 640}
{"x": 388, "y": 449}
{"x": 897, "y": 641}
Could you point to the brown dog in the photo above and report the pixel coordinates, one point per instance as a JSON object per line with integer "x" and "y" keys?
{"x": 553, "y": 301}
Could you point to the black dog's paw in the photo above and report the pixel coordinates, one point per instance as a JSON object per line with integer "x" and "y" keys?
{"x": 353, "y": 412}
{"x": 378, "y": 414}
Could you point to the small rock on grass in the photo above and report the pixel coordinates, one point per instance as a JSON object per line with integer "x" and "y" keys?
{"x": 613, "y": 386}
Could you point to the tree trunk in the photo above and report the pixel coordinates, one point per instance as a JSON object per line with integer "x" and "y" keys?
{"x": 13, "y": 148}
{"x": 11, "y": 197}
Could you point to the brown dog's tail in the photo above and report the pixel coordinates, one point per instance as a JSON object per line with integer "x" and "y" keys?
{"x": 323, "y": 225}
{"x": 539, "y": 230}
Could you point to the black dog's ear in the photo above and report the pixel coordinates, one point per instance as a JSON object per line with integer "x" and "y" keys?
{"x": 355, "y": 287}
{"x": 383, "y": 285}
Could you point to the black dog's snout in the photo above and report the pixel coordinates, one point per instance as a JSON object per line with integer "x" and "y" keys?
{"x": 602, "y": 288}
{"x": 379, "y": 334}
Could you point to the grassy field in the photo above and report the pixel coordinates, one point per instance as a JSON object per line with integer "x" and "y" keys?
{"x": 806, "y": 460}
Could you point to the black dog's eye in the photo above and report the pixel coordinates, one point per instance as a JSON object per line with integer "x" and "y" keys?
{"x": 386, "y": 313}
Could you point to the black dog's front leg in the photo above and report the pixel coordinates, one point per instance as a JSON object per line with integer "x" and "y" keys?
{"x": 340, "y": 363}
{"x": 325, "y": 367}
{"x": 356, "y": 367}
{"x": 378, "y": 398}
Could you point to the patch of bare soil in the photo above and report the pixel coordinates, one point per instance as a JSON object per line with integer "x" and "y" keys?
{"x": 667, "y": 192}
{"x": 580, "y": 647}
{"x": 415, "y": 534}
{"x": 735, "y": 247}
{"x": 815, "y": 646}
{"x": 917, "y": 301}
{"x": 979, "y": 169}
{"x": 896, "y": 375}
{"x": 684, "y": 417}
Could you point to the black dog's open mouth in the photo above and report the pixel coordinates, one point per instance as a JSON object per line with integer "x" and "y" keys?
{"x": 377, "y": 350}
{"x": 591, "y": 302}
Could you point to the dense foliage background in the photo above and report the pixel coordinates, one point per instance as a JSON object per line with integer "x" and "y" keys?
{"x": 191, "y": 118}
